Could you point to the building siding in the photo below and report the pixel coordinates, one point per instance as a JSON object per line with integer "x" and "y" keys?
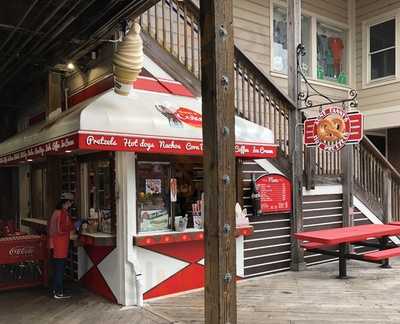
{"x": 252, "y": 28}
{"x": 383, "y": 96}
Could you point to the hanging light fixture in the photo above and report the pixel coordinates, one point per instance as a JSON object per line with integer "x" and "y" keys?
{"x": 128, "y": 61}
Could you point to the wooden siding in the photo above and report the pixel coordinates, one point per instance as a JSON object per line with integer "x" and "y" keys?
{"x": 251, "y": 30}
{"x": 382, "y": 96}
{"x": 325, "y": 211}
{"x": 268, "y": 249}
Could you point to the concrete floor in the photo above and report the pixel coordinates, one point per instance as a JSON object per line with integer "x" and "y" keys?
{"x": 314, "y": 296}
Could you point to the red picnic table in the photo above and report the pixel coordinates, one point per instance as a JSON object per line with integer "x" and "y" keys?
{"x": 324, "y": 241}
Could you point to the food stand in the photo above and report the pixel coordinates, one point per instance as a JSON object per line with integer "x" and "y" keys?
{"x": 139, "y": 180}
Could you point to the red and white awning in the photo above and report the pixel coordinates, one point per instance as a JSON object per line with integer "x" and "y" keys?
{"x": 144, "y": 121}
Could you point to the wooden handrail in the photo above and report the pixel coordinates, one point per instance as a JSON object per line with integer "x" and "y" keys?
{"x": 256, "y": 71}
{"x": 174, "y": 25}
{"x": 366, "y": 142}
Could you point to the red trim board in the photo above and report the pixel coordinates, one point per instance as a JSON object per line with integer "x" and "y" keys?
{"x": 177, "y": 237}
{"x": 139, "y": 144}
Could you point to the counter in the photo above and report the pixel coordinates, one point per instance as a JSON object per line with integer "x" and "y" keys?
{"x": 97, "y": 239}
{"x": 191, "y": 234}
{"x": 172, "y": 262}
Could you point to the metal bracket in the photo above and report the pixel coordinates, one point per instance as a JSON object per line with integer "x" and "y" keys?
{"x": 304, "y": 97}
{"x": 227, "y": 228}
{"x": 225, "y": 81}
{"x": 223, "y": 32}
{"x": 226, "y": 179}
{"x": 227, "y": 277}
{"x": 226, "y": 131}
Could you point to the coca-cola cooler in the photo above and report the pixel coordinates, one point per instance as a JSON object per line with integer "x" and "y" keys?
{"x": 23, "y": 261}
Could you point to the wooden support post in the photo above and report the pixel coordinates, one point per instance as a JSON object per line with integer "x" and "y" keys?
{"x": 347, "y": 157}
{"x": 54, "y": 92}
{"x": 216, "y": 23}
{"x": 295, "y": 135}
{"x": 53, "y": 185}
{"x": 309, "y": 167}
{"x": 387, "y": 197}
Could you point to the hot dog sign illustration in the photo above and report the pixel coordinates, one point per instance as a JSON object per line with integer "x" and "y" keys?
{"x": 180, "y": 116}
{"x": 333, "y": 129}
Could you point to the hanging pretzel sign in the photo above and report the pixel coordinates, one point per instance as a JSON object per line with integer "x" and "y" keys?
{"x": 333, "y": 129}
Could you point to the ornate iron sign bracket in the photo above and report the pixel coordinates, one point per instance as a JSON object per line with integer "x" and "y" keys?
{"x": 306, "y": 96}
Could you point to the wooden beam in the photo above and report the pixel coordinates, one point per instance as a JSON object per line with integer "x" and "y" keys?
{"x": 347, "y": 161}
{"x": 295, "y": 133}
{"x": 309, "y": 167}
{"x": 54, "y": 92}
{"x": 387, "y": 197}
{"x": 217, "y": 52}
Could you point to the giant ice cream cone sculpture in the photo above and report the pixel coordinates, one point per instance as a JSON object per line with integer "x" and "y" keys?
{"x": 128, "y": 61}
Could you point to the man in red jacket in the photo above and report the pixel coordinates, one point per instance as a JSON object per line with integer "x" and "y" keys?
{"x": 59, "y": 228}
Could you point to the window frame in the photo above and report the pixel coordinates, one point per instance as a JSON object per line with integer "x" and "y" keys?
{"x": 366, "y": 56}
{"x": 314, "y": 19}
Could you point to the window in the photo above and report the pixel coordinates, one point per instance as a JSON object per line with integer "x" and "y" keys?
{"x": 331, "y": 54}
{"x": 153, "y": 197}
{"x": 101, "y": 197}
{"x": 280, "y": 56}
{"x": 382, "y": 49}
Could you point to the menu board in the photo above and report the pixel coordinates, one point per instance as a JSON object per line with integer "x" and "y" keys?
{"x": 275, "y": 193}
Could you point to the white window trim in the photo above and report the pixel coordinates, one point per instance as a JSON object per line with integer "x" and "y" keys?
{"x": 314, "y": 18}
{"x": 366, "y": 60}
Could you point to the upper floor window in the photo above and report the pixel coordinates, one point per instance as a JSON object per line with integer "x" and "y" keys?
{"x": 326, "y": 47}
{"x": 331, "y": 53}
{"x": 382, "y": 50}
{"x": 280, "y": 56}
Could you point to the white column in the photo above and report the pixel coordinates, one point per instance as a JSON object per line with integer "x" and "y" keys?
{"x": 126, "y": 227}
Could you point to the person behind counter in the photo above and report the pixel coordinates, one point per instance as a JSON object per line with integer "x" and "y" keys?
{"x": 59, "y": 229}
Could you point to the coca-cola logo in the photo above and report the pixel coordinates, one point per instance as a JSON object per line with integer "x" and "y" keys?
{"x": 21, "y": 251}
{"x": 189, "y": 117}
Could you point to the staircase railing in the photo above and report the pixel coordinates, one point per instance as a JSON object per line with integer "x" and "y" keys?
{"x": 372, "y": 172}
{"x": 175, "y": 26}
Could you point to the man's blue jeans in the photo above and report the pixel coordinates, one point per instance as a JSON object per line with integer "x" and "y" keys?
{"x": 58, "y": 276}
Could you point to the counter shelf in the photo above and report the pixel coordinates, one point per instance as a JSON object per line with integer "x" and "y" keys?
{"x": 153, "y": 238}
{"x": 97, "y": 239}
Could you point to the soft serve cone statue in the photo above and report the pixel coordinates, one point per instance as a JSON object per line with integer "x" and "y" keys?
{"x": 128, "y": 61}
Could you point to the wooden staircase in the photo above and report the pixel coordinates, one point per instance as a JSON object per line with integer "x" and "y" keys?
{"x": 171, "y": 34}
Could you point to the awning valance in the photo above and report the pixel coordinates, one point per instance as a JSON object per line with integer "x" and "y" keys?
{"x": 144, "y": 121}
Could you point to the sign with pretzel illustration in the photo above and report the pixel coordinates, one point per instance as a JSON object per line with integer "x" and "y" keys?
{"x": 333, "y": 129}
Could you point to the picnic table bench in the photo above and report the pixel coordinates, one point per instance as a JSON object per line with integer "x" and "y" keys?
{"x": 335, "y": 242}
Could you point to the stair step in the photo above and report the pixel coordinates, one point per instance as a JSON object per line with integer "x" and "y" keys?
{"x": 382, "y": 255}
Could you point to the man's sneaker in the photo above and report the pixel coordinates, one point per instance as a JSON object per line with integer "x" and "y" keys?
{"x": 61, "y": 296}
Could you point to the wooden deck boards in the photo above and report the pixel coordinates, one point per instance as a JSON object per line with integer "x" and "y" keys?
{"x": 313, "y": 296}
{"x": 35, "y": 306}
{"x": 310, "y": 297}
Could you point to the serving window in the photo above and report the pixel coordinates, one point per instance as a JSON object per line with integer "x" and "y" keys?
{"x": 153, "y": 196}
{"x": 98, "y": 192}
{"x": 168, "y": 189}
